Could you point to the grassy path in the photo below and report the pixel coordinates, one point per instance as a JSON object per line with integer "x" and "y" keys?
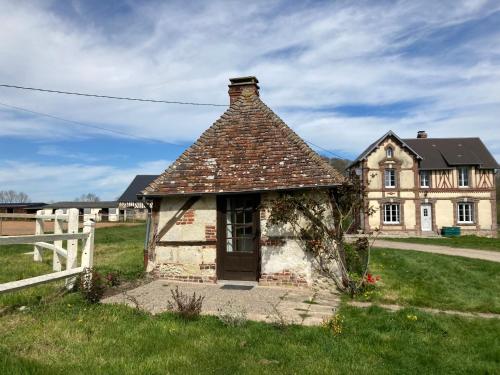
{"x": 467, "y": 242}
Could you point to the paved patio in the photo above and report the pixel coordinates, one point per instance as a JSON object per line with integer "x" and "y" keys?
{"x": 298, "y": 306}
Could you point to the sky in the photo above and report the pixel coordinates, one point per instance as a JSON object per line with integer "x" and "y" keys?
{"x": 340, "y": 73}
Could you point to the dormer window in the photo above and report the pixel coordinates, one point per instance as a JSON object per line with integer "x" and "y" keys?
{"x": 389, "y": 152}
{"x": 463, "y": 177}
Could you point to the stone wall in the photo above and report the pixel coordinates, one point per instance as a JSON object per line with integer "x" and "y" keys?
{"x": 187, "y": 251}
{"x": 284, "y": 262}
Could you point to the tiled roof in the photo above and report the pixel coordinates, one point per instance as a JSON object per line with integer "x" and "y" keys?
{"x": 249, "y": 148}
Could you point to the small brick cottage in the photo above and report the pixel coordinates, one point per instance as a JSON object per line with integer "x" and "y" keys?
{"x": 209, "y": 214}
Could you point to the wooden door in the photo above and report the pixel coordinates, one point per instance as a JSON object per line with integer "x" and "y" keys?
{"x": 238, "y": 237}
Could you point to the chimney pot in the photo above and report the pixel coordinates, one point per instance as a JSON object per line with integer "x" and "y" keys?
{"x": 242, "y": 84}
{"x": 421, "y": 134}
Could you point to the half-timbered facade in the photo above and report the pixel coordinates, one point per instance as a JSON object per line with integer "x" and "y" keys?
{"x": 209, "y": 216}
{"x": 420, "y": 185}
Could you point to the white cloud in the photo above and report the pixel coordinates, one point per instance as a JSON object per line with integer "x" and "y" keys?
{"x": 330, "y": 54}
{"x": 46, "y": 182}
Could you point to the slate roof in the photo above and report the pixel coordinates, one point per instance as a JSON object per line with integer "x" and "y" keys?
{"x": 101, "y": 204}
{"x": 22, "y": 205}
{"x": 139, "y": 183}
{"x": 375, "y": 144}
{"x": 249, "y": 148}
{"x": 445, "y": 153}
{"x": 441, "y": 153}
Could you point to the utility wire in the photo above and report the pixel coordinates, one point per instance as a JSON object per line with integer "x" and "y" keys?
{"x": 112, "y": 97}
{"x": 91, "y": 126}
{"x": 125, "y": 133}
{"x": 324, "y": 149}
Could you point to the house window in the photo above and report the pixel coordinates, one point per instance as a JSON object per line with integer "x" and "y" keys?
{"x": 463, "y": 177}
{"x": 391, "y": 213}
{"x": 465, "y": 213}
{"x": 390, "y": 178}
{"x": 87, "y": 211}
{"x": 424, "y": 179}
{"x": 389, "y": 152}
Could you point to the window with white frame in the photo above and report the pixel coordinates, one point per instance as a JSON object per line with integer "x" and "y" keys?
{"x": 463, "y": 177}
{"x": 424, "y": 179}
{"x": 391, "y": 213}
{"x": 465, "y": 212}
{"x": 390, "y": 178}
{"x": 389, "y": 152}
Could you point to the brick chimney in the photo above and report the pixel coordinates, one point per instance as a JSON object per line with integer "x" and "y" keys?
{"x": 242, "y": 84}
{"x": 421, "y": 134}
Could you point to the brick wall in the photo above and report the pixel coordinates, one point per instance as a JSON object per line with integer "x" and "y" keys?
{"x": 187, "y": 218}
{"x": 210, "y": 233}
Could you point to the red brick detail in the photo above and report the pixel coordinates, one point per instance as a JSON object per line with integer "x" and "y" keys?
{"x": 187, "y": 218}
{"x": 284, "y": 278}
{"x": 210, "y": 234}
{"x": 207, "y": 266}
{"x": 186, "y": 278}
{"x": 273, "y": 241}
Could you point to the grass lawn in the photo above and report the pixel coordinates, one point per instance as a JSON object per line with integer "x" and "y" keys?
{"x": 62, "y": 334}
{"x": 117, "y": 249}
{"x": 69, "y": 336}
{"x": 470, "y": 242}
{"x": 431, "y": 280}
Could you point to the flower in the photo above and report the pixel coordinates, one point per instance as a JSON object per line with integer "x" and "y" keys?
{"x": 411, "y": 317}
{"x": 370, "y": 279}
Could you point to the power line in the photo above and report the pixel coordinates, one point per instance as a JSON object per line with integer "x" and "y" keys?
{"x": 91, "y": 126}
{"x": 125, "y": 133}
{"x": 324, "y": 149}
{"x": 111, "y": 97}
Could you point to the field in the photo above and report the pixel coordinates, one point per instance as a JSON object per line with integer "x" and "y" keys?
{"x": 60, "y": 334}
{"x": 20, "y": 227}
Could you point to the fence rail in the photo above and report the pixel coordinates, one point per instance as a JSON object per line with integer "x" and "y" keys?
{"x": 41, "y": 243}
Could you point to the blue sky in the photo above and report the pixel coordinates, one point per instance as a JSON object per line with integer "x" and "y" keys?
{"x": 340, "y": 73}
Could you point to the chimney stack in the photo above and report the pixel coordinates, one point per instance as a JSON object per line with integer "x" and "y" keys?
{"x": 421, "y": 134}
{"x": 240, "y": 85}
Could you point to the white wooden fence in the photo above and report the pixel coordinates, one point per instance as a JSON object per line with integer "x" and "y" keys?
{"x": 41, "y": 242}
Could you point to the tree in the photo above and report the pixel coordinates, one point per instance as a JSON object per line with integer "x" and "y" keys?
{"x": 89, "y": 197}
{"x": 320, "y": 219}
{"x": 339, "y": 164}
{"x": 11, "y": 196}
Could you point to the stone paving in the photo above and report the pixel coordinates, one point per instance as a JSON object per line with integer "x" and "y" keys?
{"x": 270, "y": 304}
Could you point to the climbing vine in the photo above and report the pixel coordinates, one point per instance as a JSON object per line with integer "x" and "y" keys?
{"x": 320, "y": 220}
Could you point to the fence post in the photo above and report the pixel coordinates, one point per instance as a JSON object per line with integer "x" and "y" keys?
{"x": 88, "y": 244}
{"x": 58, "y": 229}
{"x": 37, "y": 251}
{"x": 71, "y": 260}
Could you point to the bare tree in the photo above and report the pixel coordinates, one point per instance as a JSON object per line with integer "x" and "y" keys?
{"x": 89, "y": 197}
{"x": 11, "y": 196}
